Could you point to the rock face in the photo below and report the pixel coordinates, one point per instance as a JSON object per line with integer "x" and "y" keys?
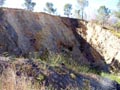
{"x": 105, "y": 42}
{"x": 23, "y": 32}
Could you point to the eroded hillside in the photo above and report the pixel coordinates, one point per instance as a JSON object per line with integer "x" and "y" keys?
{"x": 27, "y": 41}
{"x": 23, "y": 32}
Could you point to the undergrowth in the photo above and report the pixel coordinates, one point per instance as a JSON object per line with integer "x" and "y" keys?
{"x": 111, "y": 77}
{"x": 55, "y": 60}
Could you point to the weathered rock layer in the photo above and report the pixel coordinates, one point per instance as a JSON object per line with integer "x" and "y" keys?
{"x": 105, "y": 42}
{"x": 24, "y": 32}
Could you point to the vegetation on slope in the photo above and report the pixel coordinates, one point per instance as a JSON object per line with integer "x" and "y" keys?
{"x": 57, "y": 60}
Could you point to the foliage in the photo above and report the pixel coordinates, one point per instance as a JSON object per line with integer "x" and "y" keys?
{"x": 111, "y": 76}
{"x": 51, "y": 59}
{"x": 29, "y": 5}
{"x": 2, "y": 2}
{"x": 115, "y": 33}
{"x": 77, "y": 14}
{"x": 117, "y": 14}
{"x": 82, "y": 5}
{"x": 118, "y": 5}
{"x": 117, "y": 26}
{"x": 86, "y": 85}
{"x": 104, "y": 14}
{"x": 54, "y": 60}
{"x": 49, "y": 8}
{"x": 40, "y": 77}
{"x": 67, "y": 9}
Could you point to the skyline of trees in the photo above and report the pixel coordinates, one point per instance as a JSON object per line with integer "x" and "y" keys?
{"x": 70, "y": 10}
{"x": 49, "y": 7}
{"x": 29, "y": 5}
{"x": 82, "y": 5}
{"x": 103, "y": 14}
{"x": 2, "y": 2}
{"x": 67, "y": 9}
{"x": 118, "y": 5}
{"x": 117, "y": 14}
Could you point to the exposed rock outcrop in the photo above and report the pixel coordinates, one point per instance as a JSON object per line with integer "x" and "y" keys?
{"x": 22, "y": 32}
{"x": 105, "y": 42}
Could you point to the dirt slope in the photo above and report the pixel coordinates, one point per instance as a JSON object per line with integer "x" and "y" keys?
{"x": 32, "y": 35}
{"x": 24, "y": 32}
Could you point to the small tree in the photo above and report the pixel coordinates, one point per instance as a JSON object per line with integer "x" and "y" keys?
{"x": 29, "y": 5}
{"x": 67, "y": 9}
{"x": 2, "y": 2}
{"x": 103, "y": 14}
{"x": 117, "y": 26}
{"x": 117, "y": 14}
{"x": 118, "y": 5}
{"x": 77, "y": 14}
{"x": 82, "y": 5}
{"x": 49, "y": 8}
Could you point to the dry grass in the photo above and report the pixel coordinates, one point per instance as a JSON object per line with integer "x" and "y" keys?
{"x": 115, "y": 33}
{"x": 11, "y": 82}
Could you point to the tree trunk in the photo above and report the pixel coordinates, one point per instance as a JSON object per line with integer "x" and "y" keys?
{"x": 82, "y": 13}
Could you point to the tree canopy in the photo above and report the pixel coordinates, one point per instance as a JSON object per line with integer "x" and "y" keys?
{"x": 2, "y": 2}
{"x": 103, "y": 14}
{"x": 117, "y": 14}
{"x": 67, "y": 9}
{"x": 118, "y": 5}
{"x": 50, "y": 8}
{"x": 29, "y": 5}
{"x": 82, "y": 5}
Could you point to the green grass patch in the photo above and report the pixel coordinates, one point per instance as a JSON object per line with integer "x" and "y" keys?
{"x": 115, "y": 33}
{"x": 111, "y": 76}
{"x": 55, "y": 60}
